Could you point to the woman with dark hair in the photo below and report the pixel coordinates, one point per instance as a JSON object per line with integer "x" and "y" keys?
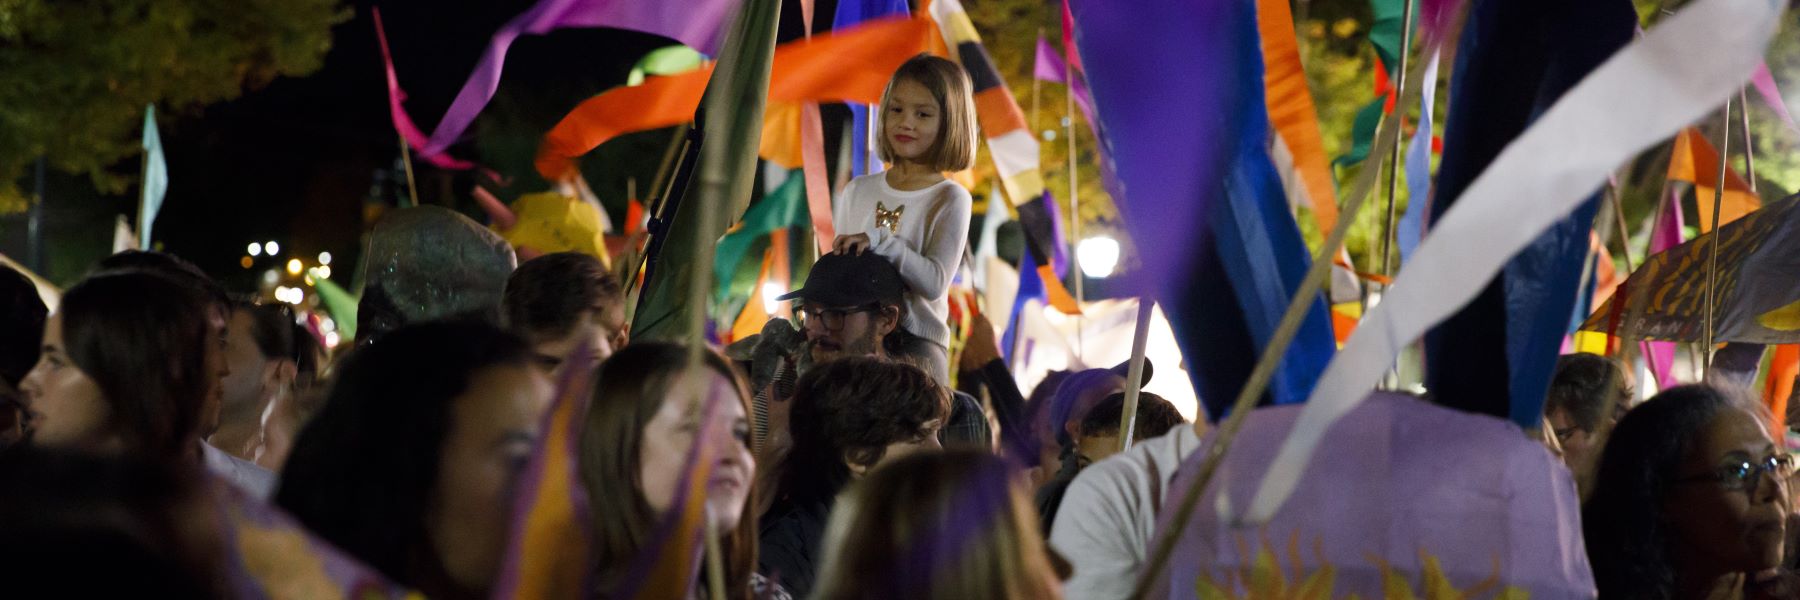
{"x": 641, "y": 429}
{"x": 119, "y": 372}
{"x": 1690, "y": 500}
{"x": 849, "y": 415}
{"x": 410, "y": 464}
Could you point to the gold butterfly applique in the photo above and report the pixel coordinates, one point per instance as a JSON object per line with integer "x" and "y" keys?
{"x": 889, "y": 219}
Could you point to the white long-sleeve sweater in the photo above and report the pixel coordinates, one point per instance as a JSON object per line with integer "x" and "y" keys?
{"x": 926, "y": 244}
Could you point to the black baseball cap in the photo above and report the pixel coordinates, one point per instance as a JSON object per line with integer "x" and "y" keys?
{"x": 851, "y": 280}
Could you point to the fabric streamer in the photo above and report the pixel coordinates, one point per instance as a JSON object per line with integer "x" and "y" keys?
{"x": 693, "y": 22}
{"x": 403, "y": 123}
{"x": 1292, "y": 114}
{"x": 814, "y": 69}
{"x": 1011, "y": 144}
{"x": 1665, "y": 233}
{"x": 1647, "y": 91}
{"x": 1418, "y": 167}
{"x": 156, "y": 178}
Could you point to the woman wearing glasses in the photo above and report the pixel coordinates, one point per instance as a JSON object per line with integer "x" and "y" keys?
{"x": 1690, "y": 501}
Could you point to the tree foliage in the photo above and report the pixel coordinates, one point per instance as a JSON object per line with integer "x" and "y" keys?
{"x": 75, "y": 75}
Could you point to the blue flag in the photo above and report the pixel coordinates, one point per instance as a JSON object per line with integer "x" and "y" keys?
{"x": 851, "y": 12}
{"x": 156, "y": 178}
{"x": 1202, "y": 198}
{"x": 1515, "y": 59}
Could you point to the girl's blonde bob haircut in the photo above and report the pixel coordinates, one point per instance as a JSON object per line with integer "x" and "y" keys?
{"x": 954, "y": 149}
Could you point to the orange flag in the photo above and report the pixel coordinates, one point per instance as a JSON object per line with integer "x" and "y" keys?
{"x": 852, "y": 65}
{"x": 1291, "y": 111}
{"x": 1696, "y": 161}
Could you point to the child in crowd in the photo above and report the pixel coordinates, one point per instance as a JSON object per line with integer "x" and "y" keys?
{"x": 911, "y": 214}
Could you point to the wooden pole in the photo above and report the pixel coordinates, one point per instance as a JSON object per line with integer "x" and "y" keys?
{"x": 1712, "y": 261}
{"x": 1074, "y": 209}
{"x": 412, "y": 188}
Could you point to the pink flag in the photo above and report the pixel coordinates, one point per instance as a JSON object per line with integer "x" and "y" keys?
{"x": 1765, "y": 87}
{"x": 402, "y": 122}
{"x": 1665, "y": 234}
{"x": 692, "y": 22}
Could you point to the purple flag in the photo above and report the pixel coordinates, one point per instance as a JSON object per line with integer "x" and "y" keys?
{"x": 1410, "y": 495}
{"x": 692, "y": 22}
{"x": 1050, "y": 65}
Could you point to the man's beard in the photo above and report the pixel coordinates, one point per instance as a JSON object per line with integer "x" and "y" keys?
{"x": 867, "y": 345}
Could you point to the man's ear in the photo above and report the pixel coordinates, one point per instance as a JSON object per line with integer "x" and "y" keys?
{"x": 890, "y": 319}
{"x": 279, "y": 374}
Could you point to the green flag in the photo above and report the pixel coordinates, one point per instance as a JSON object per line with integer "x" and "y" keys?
{"x": 339, "y": 302}
{"x": 739, "y": 252}
{"x": 674, "y": 306}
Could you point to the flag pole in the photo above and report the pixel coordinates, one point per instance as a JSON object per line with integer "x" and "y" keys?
{"x": 1134, "y": 378}
{"x": 1393, "y": 182}
{"x": 412, "y": 189}
{"x": 1074, "y": 205}
{"x": 1712, "y": 261}
{"x": 1749, "y": 148}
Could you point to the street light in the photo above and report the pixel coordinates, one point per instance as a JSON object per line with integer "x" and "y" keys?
{"x": 255, "y": 249}
{"x": 1099, "y": 256}
{"x": 294, "y": 266}
{"x": 272, "y": 248}
{"x": 325, "y": 259}
{"x": 770, "y": 291}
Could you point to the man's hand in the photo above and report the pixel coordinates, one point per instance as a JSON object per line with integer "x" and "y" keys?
{"x": 981, "y": 348}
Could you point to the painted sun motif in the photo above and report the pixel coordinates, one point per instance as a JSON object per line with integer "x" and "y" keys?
{"x": 1266, "y": 578}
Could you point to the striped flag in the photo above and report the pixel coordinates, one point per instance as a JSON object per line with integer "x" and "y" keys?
{"x": 548, "y": 549}
{"x": 1010, "y": 143}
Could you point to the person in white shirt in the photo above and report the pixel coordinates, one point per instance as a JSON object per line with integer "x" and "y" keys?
{"x": 911, "y": 214}
{"x": 1108, "y": 516}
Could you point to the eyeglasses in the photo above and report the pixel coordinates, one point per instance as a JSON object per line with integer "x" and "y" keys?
{"x": 1744, "y": 474}
{"x": 832, "y": 319}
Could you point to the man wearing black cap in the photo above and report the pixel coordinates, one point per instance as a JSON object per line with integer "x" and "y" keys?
{"x": 852, "y": 305}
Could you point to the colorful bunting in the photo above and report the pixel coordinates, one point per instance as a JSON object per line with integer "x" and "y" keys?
{"x": 1696, "y": 161}
{"x": 695, "y": 23}
{"x": 1011, "y": 144}
{"x": 1644, "y": 93}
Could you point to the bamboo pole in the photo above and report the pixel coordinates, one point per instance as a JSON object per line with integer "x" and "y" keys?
{"x": 412, "y": 189}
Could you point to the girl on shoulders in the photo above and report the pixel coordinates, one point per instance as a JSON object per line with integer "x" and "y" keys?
{"x": 911, "y": 214}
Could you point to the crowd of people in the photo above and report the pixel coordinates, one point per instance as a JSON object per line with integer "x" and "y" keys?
{"x": 846, "y": 455}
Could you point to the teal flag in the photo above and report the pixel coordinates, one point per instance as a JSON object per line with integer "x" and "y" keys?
{"x": 673, "y": 307}
{"x": 156, "y": 178}
{"x": 780, "y": 209}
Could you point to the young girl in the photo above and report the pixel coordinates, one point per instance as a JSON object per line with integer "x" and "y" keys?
{"x": 910, "y": 214}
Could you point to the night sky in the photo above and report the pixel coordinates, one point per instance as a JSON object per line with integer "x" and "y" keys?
{"x": 298, "y": 160}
